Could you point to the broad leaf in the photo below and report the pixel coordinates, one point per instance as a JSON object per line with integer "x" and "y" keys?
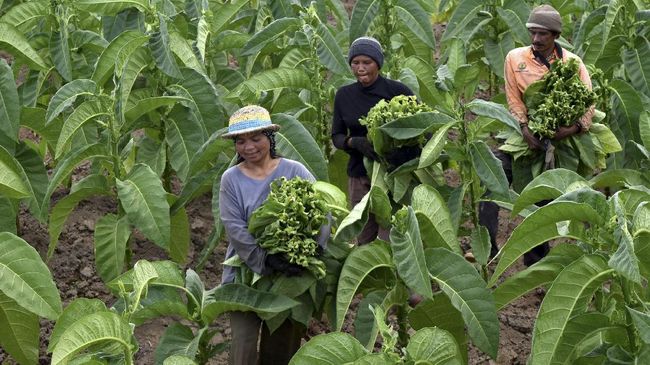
{"x": 358, "y": 265}
{"x": 78, "y": 308}
{"x": 541, "y": 273}
{"x": 569, "y": 296}
{"x": 202, "y": 92}
{"x": 548, "y": 185}
{"x": 144, "y": 199}
{"x": 295, "y": 142}
{"x": 179, "y": 244}
{"x": 408, "y": 253}
{"x": 434, "y": 146}
{"x": 270, "y": 33}
{"x": 539, "y": 227}
{"x": 133, "y": 64}
{"x": 435, "y": 346}
{"x": 224, "y": 13}
{"x": 60, "y": 51}
{"x": 26, "y": 279}
{"x": 33, "y": 172}
{"x": 161, "y": 301}
{"x": 496, "y": 51}
{"x": 515, "y": 24}
{"x": 363, "y": 13}
{"x": 167, "y": 274}
{"x": 410, "y": 12}
{"x": 329, "y": 52}
{"x": 624, "y": 261}
{"x": 637, "y": 69}
{"x": 19, "y": 331}
{"x": 177, "y": 339}
{"x": 126, "y": 41}
{"x": 354, "y": 222}
{"x": 626, "y": 108}
{"x": 161, "y": 50}
{"x": 143, "y": 106}
{"x": 365, "y": 327}
{"x": 111, "y": 236}
{"x": 66, "y": 96}
{"x": 237, "y": 297}
{"x": 415, "y": 125}
{"x": 464, "y": 13}
{"x": 642, "y": 323}
{"x": 489, "y": 170}
{"x": 273, "y": 79}
{"x": 184, "y": 136}
{"x": 18, "y": 45}
{"x": 9, "y": 104}
{"x": 110, "y": 7}
{"x": 86, "y": 112}
{"x": 468, "y": 293}
{"x": 329, "y": 349}
{"x": 581, "y": 328}
{"x": 183, "y": 50}
{"x": 493, "y": 110}
{"x": 101, "y": 327}
{"x": 24, "y": 16}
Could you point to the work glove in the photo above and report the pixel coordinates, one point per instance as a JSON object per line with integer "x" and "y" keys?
{"x": 363, "y": 145}
{"x": 402, "y": 155}
{"x": 279, "y": 263}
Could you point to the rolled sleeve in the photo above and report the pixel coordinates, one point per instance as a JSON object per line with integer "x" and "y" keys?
{"x": 514, "y": 96}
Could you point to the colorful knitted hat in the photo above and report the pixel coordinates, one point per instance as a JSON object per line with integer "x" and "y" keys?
{"x": 545, "y": 17}
{"x": 367, "y": 46}
{"x": 251, "y": 118}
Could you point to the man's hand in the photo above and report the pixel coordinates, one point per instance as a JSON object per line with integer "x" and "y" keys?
{"x": 564, "y": 132}
{"x": 363, "y": 145}
{"x": 533, "y": 142}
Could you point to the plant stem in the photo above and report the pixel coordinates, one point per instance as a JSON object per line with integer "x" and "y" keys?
{"x": 629, "y": 325}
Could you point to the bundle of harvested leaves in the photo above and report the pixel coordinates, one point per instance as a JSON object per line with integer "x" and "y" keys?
{"x": 289, "y": 222}
{"x": 560, "y": 98}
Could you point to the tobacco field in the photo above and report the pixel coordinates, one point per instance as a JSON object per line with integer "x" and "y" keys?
{"x": 111, "y": 249}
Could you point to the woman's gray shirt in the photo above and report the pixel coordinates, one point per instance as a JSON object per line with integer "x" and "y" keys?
{"x": 239, "y": 196}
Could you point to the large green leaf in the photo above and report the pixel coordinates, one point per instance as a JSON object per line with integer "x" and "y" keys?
{"x": 202, "y": 93}
{"x": 90, "y": 186}
{"x": 464, "y": 13}
{"x": 161, "y": 50}
{"x": 408, "y": 254}
{"x": 97, "y": 328}
{"x": 515, "y": 24}
{"x": 496, "y": 51}
{"x": 278, "y": 78}
{"x": 642, "y": 324}
{"x": 76, "y": 309}
{"x": 111, "y": 236}
{"x": 177, "y": 339}
{"x": 25, "y": 278}
{"x": 365, "y": 326}
{"x": 19, "y": 331}
{"x": 547, "y": 186}
{"x": 411, "y": 13}
{"x": 618, "y": 178}
{"x": 434, "y": 146}
{"x": 60, "y": 51}
{"x": 637, "y": 69}
{"x": 543, "y": 272}
{"x": 358, "y": 265}
{"x": 12, "y": 178}
{"x": 33, "y": 172}
{"x": 354, "y": 222}
{"x": 110, "y": 7}
{"x": 270, "y": 33}
{"x": 329, "y": 52}
{"x": 86, "y": 112}
{"x": 13, "y": 40}
{"x": 144, "y": 199}
{"x": 626, "y": 108}
{"x": 569, "y": 296}
{"x": 179, "y": 244}
{"x": 24, "y": 16}
{"x": 143, "y": 106}
{"x": 415, "y": 125}
{"x": 624, "y": 261}
{"x": 136, "y": 61}
{"x": 489, "y": 170}
{"x": 34, "y": 119}
{"x": 541, "y": 226}
{"x": 66, "y": 96}
{"x": 182, "y": 48}
{"x": 224, "y": 13}
{"x": 429, "y": 202}
{"x": 329, "y": 349}
{"x": 363, "y": 13}
{"x": 9, "y": 102}
{"x": 493, "y": 110}
{"x": 160, "y": 302}
{"x": 295, "y": 142}
{"x": 435, "y": 346}
{"x": 460, "y": 281}
{"x": 167, "y": 273}
{"x": 581, "y": 328}
{"x": 440, "y": 313}
{"x": 644, "y": 128}
{"x": 426, "y": 80}
{"x": 237, "y": 297}
{"x": 184, "y": 137}
{"x": 126, "y": 42}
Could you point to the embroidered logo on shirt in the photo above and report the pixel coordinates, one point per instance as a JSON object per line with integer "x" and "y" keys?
{"x": 521, "y": 66}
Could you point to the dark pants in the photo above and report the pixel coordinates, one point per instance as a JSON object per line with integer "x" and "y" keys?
{"x": 274, "y": 349}
{"x": 488, "y": 217}
{"x": 358, "y": 187}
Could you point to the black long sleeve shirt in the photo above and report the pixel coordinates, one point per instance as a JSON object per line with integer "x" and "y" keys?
{"x": 353, "y": 102}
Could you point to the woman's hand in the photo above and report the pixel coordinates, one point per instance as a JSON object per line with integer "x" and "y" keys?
{"x": 279, "y": 263}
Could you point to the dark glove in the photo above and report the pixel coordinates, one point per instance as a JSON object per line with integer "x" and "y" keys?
{"x": 363, "y": 145}
{"x": 279, "y": 263}
{"x": 402, "y": 155}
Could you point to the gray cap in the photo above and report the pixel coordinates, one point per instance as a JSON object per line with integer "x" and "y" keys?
{"x": 367, "y": 46}
{"x": 545, "y": 17}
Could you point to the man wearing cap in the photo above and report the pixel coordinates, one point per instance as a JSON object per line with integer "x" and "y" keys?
{"x": 523, "y": 66}
{"x": 353, "y": 102}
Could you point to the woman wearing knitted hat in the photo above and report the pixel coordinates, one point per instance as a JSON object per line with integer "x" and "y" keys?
{"x": 522, "y": 67}
{"x": 353, "y": 102}
{"x": 244, "y": 187}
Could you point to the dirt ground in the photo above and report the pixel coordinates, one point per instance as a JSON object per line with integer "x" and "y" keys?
{"x": 73, "y": 269}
